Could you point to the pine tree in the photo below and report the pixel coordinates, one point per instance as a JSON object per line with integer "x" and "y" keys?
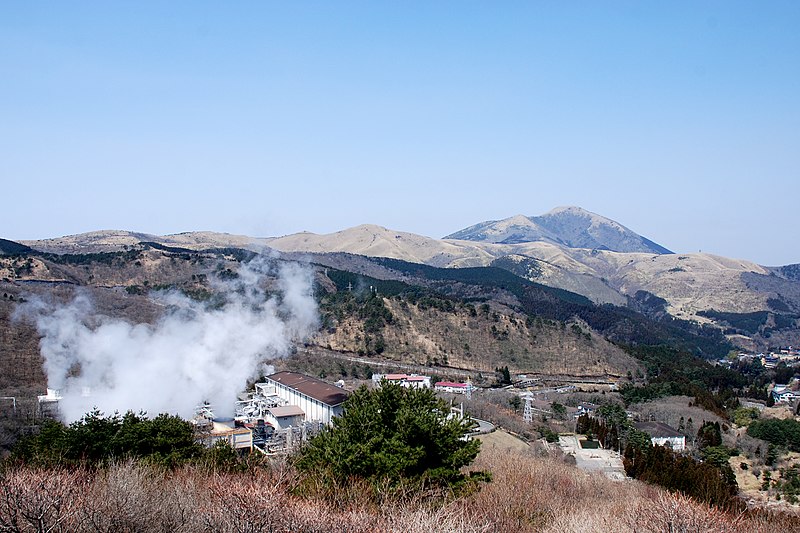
{"x": 392, "y": 435}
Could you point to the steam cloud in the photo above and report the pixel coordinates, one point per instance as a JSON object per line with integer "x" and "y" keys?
{"x": 192, "y": 354}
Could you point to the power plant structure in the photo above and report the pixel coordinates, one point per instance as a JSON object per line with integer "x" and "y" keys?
{"x": 282, "y": 412}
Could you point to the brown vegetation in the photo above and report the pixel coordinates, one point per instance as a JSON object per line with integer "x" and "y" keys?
{"x": 527, "y": 494}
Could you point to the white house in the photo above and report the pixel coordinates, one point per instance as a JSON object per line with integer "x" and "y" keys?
{"x": 319, "y": 401}
{"x": 783, "y": 394}
{"x": 663, "y": 435}
{"x": 451, "y": 387}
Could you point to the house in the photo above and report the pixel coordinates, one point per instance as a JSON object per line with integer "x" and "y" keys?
{"x": 783, "y": 394}
{"x": 412, "y": 381}
{"x": 319, "y": 401}
{"x": 451, "y": 387}
{"x": 585, "y": 408}
{"x": 663, "y": 435}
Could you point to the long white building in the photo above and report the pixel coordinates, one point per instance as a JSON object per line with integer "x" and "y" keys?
{"x": 663, "y": 435}
{"x": 412, "y": 381}
{"x": 320, "y": 401}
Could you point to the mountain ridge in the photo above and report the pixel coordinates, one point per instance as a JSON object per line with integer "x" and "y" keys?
{"x": 691, "y": 284}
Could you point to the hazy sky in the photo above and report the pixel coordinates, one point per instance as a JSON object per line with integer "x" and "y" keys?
{"x": 678, "y": 120}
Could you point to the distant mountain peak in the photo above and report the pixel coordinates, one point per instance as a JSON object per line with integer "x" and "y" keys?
{"x": 572, "y": 209}
{"x": 570, "y": 226}
{"x": 581, "y": 213}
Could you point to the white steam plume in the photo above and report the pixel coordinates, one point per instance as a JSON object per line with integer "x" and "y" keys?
{"x": 192, "y": 354}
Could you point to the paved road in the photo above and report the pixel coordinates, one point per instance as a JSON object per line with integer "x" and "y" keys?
{"x": 393, "y": 364}
{"x": 483, "y": 426}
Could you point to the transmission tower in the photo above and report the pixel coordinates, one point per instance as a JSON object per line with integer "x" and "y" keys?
{"x": 527, "y": 414}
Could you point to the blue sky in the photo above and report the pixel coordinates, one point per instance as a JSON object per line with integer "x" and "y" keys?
{"x": 678, "y": 120}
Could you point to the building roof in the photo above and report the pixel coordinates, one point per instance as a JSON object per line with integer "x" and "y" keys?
{"x": 312, "y": 387}
{"x": 286, "y": 410}
{"x": 450, "y": 384}
{"x": 657, "y": 429}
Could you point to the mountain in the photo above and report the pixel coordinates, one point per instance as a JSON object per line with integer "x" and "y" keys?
{"x": 377, "y": 241}
{"x": 566, "y": 226}
{"x": 567, "y": 248}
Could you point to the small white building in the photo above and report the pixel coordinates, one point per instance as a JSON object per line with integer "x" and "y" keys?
{"x": 451, "y": 387}
{"x": 284, "y": 416}
{"x": 411, "y": 381}
{"x": 319, "y": 401}
{"x": 663, "y": 435}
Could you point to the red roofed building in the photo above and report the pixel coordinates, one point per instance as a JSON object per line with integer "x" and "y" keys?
{"x": 451, "y": 387}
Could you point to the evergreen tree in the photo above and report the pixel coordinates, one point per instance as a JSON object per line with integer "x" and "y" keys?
{"x": 392, "y": 435}
{"x": 709, "y": 434}
{"x": 97, "y": 439}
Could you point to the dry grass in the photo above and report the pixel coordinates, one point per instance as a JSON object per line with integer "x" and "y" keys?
{"x": 527, "y": 494}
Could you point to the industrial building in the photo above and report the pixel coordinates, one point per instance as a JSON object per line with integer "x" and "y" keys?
{"x": 319, "y": 401}
{"x": 48, "y": 403}
{"x": 225, "y": 430}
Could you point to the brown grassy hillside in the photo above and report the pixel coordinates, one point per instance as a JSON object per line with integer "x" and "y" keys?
{"x": 527, "y": 494}
{"x": 483, "y": 341}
